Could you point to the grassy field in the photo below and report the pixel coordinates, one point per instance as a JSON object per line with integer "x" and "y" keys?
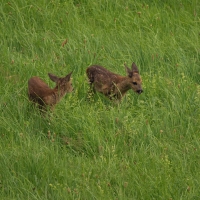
{"x": 146, "y": 147}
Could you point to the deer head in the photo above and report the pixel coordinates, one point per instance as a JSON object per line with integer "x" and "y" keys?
{"x": 135, "y": 81}
{"x": 63, "y": 84}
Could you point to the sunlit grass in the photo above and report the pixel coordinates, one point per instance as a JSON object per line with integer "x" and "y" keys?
{"x": 146, "y": 147}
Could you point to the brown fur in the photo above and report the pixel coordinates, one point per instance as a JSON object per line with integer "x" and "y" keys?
{"x": 114, "y": 85}
{"x": 40, "y": 93}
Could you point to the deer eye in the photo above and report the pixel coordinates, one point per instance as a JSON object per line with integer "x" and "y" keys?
{"x": 134, "y": 83}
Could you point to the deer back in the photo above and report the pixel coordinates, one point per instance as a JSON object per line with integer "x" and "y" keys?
{"x": 101, "y": 76}
{"x": 38, "y": 89}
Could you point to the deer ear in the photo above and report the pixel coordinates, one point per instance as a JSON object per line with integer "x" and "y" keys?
{"x": 128, "y": 71}
{"x": 54, "y": 78}
{"x": 67, "y": 78}
{"x": 134, "y": 68}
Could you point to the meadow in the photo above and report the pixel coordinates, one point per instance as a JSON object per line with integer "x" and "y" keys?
{"x": 147, "y": 146}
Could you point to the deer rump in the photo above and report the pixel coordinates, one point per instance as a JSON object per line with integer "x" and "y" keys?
{"x": 101, "y": 79}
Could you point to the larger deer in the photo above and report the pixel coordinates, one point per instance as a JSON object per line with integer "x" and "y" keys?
{"x": 114, "y": 85}
{"x": 40, "y": 93}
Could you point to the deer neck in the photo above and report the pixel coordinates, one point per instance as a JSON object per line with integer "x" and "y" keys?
{"x": 58, "y": 92}
{"x": 123, "y": 85}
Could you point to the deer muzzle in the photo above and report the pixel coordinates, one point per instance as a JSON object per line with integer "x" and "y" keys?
{"x": 139, "y": 91}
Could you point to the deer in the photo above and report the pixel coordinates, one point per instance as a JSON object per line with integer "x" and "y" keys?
{"x": 114, "y": 86}
{"x": 44, "y": 96}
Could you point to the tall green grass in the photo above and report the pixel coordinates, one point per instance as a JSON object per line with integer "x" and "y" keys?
{"x": 146, "y": 147}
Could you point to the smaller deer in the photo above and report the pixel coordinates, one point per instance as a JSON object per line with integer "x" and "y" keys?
{"x": 113, "y": 85}
{"x": 40, "y": 93}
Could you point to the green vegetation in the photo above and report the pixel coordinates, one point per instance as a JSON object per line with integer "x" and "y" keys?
{"x": 146, "y": 147}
